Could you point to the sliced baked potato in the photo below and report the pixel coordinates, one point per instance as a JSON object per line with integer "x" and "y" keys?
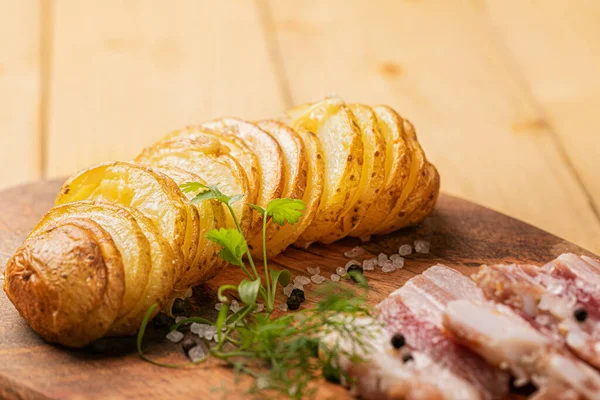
{"x": 295, "y": 173}
{"x": 372, "y": 175}
{"x": 154, "y": 194}
{"x": 420, "y": 191}
{"x": 235, "y": 147}
{"x": 315, "y": 177}
{"x": 214, "y": 168}
{"x": 207, "y": 263}
{"x": 341, "y": 143}
{"x": 270, "y": 159}
{"x": 67, "y": 281}
{"x": 398, "y": 160}
{"x": 127, "y": 235}
{"x": 161, "y": 278}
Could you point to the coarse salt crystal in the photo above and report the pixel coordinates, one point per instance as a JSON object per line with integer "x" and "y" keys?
{"x": 405, "y": 250}
{"x": 341, "y": 271}
{"x": 298, "y": 285}
{"x": 388, "y": 266}
{"x": 422, "y": 246}
{"x": 351, "y": 263}
{"x": 210, "y": 332}
{"x": 197, "y": 353}
{"x": 303, "y": 280}
{"x": 369, "y": 265}
{"x": 283, "y": 307}
{"x": 235, "y": 306}
{"x": 381, "y": 259}
{"x": 354, "y": 252}
{"x": 317, "y": 279}
{"x": 179, "y": 319}
{"x": 218, "y": 306}
{"x": 335, "y": 277}
{"x": 397, "y": 261}
{"x": 365, "y": 238}
{"x": 174, "y": 336}
{"x": 259, "y": 307}
{"x": 198, "y": 329}
{"x": 288, "y": 289}
{"x": 313, "y": 271}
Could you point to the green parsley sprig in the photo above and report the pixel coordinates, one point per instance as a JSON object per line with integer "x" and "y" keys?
{"x": 284, "y": 354}
{"x": 233, "y": 243}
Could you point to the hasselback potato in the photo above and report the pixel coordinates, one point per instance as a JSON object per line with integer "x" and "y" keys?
{"x": 124, "y": 236}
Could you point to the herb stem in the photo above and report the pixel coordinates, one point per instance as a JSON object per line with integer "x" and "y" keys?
{"x": 271, "y": 296}
{"x": 239, "y": 228}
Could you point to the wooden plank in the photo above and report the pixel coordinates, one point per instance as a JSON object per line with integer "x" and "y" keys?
{"x": 127, "y": 72}
{"x": 20, "y": 64}
{"x": 437, "y": 63}
{"x": 463, "y": 235}
{"x": 556, "y": 48}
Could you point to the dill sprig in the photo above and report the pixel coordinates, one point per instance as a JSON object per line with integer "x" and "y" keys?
{"x": 284, "y": 355}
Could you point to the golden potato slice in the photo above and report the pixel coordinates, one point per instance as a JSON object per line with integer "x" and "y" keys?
{"x": 126, "y": 234}
{"x": 419, "y": 193}
{"x": 270, "y": 159}
{"x": 342, "y": 147}
{"x": 208, "y": 263}
{"x": 295, "y": 172}
{"x": 372, "y": 175}
{"x": 67, "y": 281}
{"x": 214, "y": 168}
{"x": 136, "y": 186}
{"x": 237, "y": 148}
{"x": 160, "y": 279}
{"x": 398, "y": 161}
{"x": 288, "y": 234}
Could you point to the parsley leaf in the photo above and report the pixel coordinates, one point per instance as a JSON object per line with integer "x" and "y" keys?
{"x": 285, "y": 210}
{"x": 232, "y": 242}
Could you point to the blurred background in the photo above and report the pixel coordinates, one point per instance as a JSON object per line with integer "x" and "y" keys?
{"x": 504, "y": 93}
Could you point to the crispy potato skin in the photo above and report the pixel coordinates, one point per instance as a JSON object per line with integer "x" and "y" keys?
{"x": 67, "y": 282}
{"x": 123, "y": 236}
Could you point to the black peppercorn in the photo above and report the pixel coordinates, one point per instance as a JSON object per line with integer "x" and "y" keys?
{"x": 407, "y": 357}
{"x": 188, "y": 344}
{"x": 353, "y": 270}
{"x": 298, "y": 293}
{"x": 162, "y": 320}
{"x": 293, "y": 303}
{"x": 580, "y": 314}
{"x": 178, "y": 306}
{"x": 398, "y": 341}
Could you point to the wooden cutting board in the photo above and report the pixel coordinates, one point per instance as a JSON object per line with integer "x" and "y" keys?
{"x": 462, "y": 235}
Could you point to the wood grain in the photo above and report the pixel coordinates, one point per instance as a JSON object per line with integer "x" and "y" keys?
{"x": 556, "y": 49}
{"x": 440, "y": 66}
{"x": 125, "y": 73}
{"x": 20, "y": 69}
{"x": 463, "y": 235}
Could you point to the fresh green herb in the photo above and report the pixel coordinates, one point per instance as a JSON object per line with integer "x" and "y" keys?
{"x": 283, "y": 354}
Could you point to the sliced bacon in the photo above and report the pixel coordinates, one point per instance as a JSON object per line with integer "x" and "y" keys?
{"x": 424, "y": 335}
{"x": 547, "y": 297}
{"x": 385, "y": 373}
{"x": 506, "y": 340}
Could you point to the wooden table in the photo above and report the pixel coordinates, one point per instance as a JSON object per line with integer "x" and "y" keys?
{"x": 504, "y": 94}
